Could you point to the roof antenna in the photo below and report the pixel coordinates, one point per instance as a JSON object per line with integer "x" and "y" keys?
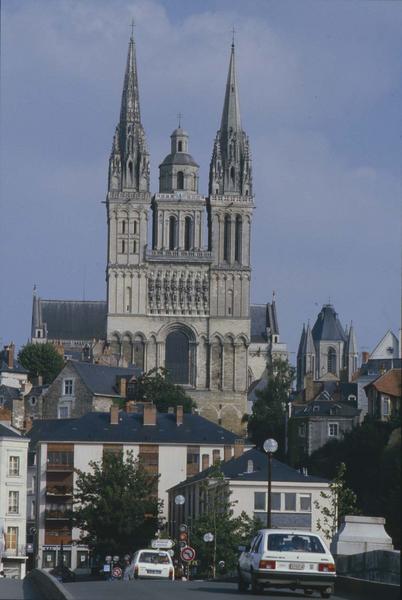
{"x": 132, "y": 28}
{"x": 233, "y": 36}
{"x": 179, "y": 116}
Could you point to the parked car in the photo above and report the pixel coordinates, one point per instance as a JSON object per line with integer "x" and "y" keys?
{"x": 156, "y": 564}
{"x": 282, "y": 558}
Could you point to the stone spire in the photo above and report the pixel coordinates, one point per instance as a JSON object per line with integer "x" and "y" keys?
{"x": 36, "y": 314}
{"x": 351, "y": 353}
{"x": 129, "y": 160}
{"x": 230, "y": 169}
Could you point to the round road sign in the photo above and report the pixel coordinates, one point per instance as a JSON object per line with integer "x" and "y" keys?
{"x": 117, "y": 572}
{"x": 187, "y": 554}
{"x": 208, "y": 537}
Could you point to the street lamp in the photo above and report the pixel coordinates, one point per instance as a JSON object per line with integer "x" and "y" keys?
{"x": 270, "y": 446}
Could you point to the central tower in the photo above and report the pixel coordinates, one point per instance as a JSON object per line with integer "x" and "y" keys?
{"x": 179, "y": 301}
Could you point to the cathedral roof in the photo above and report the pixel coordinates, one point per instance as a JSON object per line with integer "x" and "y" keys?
{"x": 327, "y": 326}
{"x": 258, "y": 322}
{"x": 74, "y": 319}
{"x": 180, "y": 158}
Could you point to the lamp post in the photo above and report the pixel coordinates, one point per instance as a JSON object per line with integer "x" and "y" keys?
{"x": 179, "y": 501}
{"x": 270, "y": 446}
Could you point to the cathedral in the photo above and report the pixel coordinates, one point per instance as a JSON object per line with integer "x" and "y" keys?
{"x": 178, "y": 264}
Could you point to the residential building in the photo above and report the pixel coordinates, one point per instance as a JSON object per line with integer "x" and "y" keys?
{"x": 13, "y": 491}
{"x": 12, "y": 373}
{"x": 384, "y": 395}
{"x": 175, "y": 445}
{"x": 293, "y": 493}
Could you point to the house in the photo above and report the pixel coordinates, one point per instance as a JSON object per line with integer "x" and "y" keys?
{"x": 293, "y": 493}
{"x": 327, "y": 417}
{"x": 82, "y": 387}
{"x": 384, "y": 395}
{"x": 13, "y": 491}
{"x": 175, "y": 445}
{"x": 12, "y": 373}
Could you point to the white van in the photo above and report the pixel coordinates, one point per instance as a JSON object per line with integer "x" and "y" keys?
{"x": 282, "y": 558}
{"x": 154, "y": 564}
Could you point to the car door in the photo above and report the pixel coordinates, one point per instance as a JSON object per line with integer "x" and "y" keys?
{"x": 250, "y": 557}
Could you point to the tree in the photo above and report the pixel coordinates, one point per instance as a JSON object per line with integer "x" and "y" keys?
{"x": 268, "y": 417}
{"x": 338, "y": 502}
{"x": 156, "y": 386}
{"x": 217, "y": 518}
{"x": 41, "y": 359}
{"x": 116, "y": 505}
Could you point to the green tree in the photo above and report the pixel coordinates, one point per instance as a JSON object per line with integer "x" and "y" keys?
{"x": 116, "y": 505}
{"x": 41, "y": 359}
{"x": 156, "y": 386}
{"x": 217, "y": 518}
{"x": 336, "y": 503}
{"x": 268, "y": 417}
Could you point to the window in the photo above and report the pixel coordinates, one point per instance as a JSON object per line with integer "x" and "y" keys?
{"x": 188, "y": 233}
{"x": 259, "y": 500}
{"x": 290, "y": 501}
{"x": 13, "y": 502}
{"x": 135, "y": 227}
{"x": 305, "y": 502}
{"x": 63, "y": 412}
{"x": 180, "y": 180}
{"x": 12, "y": 538}
{"x": 232, "y": 176}
{"x": 385, "y": 407}
{"x": 180, "y": 146}
{"x": 177, "y": 357}
{"x": 1, "y": 400}
{"x": 226, "y": 239}
{"x": 49, "y": 559}
{"x": 33, "y": 515}
{"x": 123, "y": 246}
{"x": 32, "y": 400}
{"x": 216, "y": 456}
{"x": 135, "y": 247}
{"x": 275, "y": 501}
{"x": 193, "y": 460}
{"x": 82, "y": 559}
{"x": 123, "y": 227}
{"x": 331, "y": 360}
{"x": 238, "y": 238}
{"x": 68, "y": 386}
{"x": 302, "y": 430}
{"x": 205, "y": 461}
{"x": 60, "y": 459}
{"x": 333, "y": 429}
{"x": 172, "y": 233}
{"x": 149, "y": 456}
{"x": 14, "y": 466}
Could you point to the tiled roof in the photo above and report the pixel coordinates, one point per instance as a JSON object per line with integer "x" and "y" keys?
{"x": 388, "y": 383}
{"x": 96, "y": 427}
{"x": 74, "y": 319}
{"x": 9, "y": 432}
{"x": 256, "y": 462}
{"x": 101, "y": 379}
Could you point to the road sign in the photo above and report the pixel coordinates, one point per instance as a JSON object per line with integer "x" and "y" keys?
{"x": 208, "y": 537}
{"x": 182, "y": 544}
{"x": 183, "y": 528}
{"x": 165, "y": 544}
{"x": 183, "y": 535}
{"x": 117, "y": 572}
{"x": 187, "y": 554}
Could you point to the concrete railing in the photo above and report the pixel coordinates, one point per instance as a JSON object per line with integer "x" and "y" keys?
{"x": 48, "y": 586}
{"x": 378, "y": 565}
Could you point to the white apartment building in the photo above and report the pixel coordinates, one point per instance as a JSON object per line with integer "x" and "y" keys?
{"x": 13, "y": 492}
{"x": 175, "y": 445}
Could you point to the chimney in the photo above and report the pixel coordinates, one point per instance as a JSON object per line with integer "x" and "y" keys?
{"x": 114, "y": 414}
{"x": 179, "y": 415}
{"x": 365, "y": 357}
{"x": 149, "y": 414}
{"x": 238, "y": 448}
{"x": 10, "y": 355}
{"x": 122, "y": 386}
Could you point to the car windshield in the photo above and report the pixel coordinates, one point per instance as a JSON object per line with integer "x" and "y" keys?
{"x": 155, "y": 558}
{"x": 284, "y": 542}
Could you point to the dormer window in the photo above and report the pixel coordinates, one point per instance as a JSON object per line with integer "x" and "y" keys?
{"x": 250, "y": 466}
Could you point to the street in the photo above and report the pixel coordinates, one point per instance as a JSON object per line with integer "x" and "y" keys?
{"x": 160, "y": 590}
{"x": 17, "y": 589}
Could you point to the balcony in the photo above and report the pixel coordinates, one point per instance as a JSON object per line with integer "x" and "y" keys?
{"x": 178, "y": 255}
{"x": 57, "y": 514}
{"x": 60, "y": 461}
{"x": 18, "y": 552}
{"x": 58, "y": 536}
{"x": 58, "y": 491}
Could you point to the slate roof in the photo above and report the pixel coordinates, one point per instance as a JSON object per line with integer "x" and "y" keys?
{"x": 328, "y": 326}
{"x": 8, "y": 432}
{"x": 101, "y": 379}
{"x": 16, "y": 368}
{"x": 96, "y": 427}
{"x": 8, "y": 393}
{"x": 258, "y": 324}
{"x": 236, "y": 469}
{"x": 323, "y": 406}
{"x": 74, "y": 319}
{"x": 179, "y": 158}
{"x": 388, "y": 383}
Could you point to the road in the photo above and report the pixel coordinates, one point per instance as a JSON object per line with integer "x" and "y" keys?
{"x": 17, "y": 589}
{"x": 180, "y": 590}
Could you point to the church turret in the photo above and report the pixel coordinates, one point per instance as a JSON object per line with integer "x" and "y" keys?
{"x": 129, "y": 160}
{"x": 179, "y": 171}
{"x": 351, "y": 353}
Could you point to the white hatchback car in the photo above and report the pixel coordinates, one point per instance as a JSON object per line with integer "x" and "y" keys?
{"x": 155, "y": 564}
{"x": 282, "y": 558}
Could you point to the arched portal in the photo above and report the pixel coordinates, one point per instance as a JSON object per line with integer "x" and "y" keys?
{"x": 177, "y": 357}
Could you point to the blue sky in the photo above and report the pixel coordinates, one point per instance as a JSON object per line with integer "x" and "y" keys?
{"x": 320, "y": 95}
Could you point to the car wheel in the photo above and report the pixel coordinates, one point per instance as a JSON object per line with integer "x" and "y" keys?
{"x": 242, "y": 586}
{"x": 256, "y": 587}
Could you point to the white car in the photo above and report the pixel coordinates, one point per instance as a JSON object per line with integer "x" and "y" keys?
{"x": 282, "y": 558}
{"x": 155, "y": 564}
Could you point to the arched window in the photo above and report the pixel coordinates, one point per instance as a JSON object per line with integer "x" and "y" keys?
{"x": 180, "y": 146}
{"x": 238, "y": 238}
{"x": 226, "y": 239}
{"x": 188, "y": 233}
{"x": 177, "y": 357}
{"x": 128, "y": 299}
{"x": 130, "y": 172}
{"x": 180, "y": 180}
{"x": 331, "y": 361}
{"x": 135, "y": 227}
{"x": 123, "y": 227}
{"x": 232, "y": 176}
{"x": 138, "y": 352}
{"x": 172, "y": 233}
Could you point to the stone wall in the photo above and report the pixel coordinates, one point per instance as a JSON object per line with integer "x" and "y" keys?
{"x": 377, "y": 565}
{"x": 80, "y": 401}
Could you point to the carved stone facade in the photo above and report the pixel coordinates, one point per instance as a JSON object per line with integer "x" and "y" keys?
{"x": 179, "y": 301}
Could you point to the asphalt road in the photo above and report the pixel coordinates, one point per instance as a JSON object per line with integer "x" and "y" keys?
{"x": 164, "y": 590}
{"x": 17, "y": 589}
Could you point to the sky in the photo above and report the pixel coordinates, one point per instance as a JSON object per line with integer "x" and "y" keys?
{"x": 320, "y": 97}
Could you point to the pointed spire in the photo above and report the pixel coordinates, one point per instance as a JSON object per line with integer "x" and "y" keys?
{"x": 231, "y": 108}
{"x": 130, "y": 101}
{"x": 309, "y": 343}
{"x": 36, "y": 313}
{"x": 302, "y": 339}
{"x": 352, "y": 343}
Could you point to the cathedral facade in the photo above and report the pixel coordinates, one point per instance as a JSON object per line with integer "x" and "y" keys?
{"x": 178, "y": 298}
